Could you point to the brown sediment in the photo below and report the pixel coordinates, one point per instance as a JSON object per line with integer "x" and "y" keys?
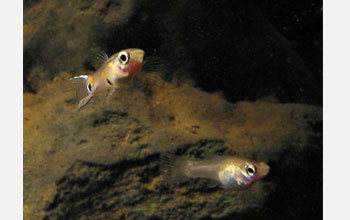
{"x": 110, "y": 152}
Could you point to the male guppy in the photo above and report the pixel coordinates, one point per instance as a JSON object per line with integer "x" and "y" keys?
{"x": 114, "y": 72}
{"x": 232, "y": 172}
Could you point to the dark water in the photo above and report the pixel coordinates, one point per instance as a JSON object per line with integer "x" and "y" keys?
{"x": 245, "y": 49}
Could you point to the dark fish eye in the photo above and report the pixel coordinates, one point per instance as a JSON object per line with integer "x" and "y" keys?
{"x": 123, "y": 57}
{"x": 89, "y": 87}
{"x": 250, "y": 169}
{"x": 109, "y": 82}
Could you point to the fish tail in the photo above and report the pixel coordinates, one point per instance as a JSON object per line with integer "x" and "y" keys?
{"x": 79, "y": 85}
{"x": 174, "y": 168}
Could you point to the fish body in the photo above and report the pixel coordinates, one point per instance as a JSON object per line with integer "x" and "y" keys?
{"x": 232, "y": 172}
{"x": 114, "y": 72}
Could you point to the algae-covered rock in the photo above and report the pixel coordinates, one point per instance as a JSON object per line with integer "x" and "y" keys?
{"x": 104, "y": 161}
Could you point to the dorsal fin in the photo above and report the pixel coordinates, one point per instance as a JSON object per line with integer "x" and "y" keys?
{"x": 99, "y": 59}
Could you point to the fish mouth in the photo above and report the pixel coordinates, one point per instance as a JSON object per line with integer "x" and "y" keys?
{"x": 263, "y": 169}
{"x": 138, "y": 55}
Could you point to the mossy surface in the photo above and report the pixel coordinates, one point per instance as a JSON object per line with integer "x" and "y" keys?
{"x": 105, "y": 160}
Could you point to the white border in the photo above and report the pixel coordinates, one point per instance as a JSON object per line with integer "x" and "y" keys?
{"x": 336, "y": 110}
{"x": 11, "y": 90}
{"x": 336, "y": 52}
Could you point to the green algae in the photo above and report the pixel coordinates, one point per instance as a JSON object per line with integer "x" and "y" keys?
{"x": 140, "y": 209}
{"x": 154, "y": 164}
{"x": 164, "y": 199}
{"x": 231, "y": 201}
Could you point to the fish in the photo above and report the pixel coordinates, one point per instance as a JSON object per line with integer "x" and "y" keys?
{"x": 231, "y": 172}
{"x": 112, "y": 73}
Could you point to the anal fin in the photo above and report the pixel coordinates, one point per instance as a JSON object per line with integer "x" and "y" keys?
{"x": 113, "y": 89}
{"x": 84, "y": 101}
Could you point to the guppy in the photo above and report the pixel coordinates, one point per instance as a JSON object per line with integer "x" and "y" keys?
{"x": 114, "y": 72}
{"x": 232, "y": 172}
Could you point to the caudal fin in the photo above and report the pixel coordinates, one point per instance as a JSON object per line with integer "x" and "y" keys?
{"x": 83, "y": 90}
{"x": 173, "y": 168}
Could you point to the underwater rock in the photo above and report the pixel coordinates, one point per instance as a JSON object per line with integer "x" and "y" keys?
{"x": 104, "y": 161}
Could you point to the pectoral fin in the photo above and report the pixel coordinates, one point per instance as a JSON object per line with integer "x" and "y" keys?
{"x": 113, "y": 89}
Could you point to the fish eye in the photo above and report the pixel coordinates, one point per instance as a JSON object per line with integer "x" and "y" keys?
{"x": 123, "y": 57}
{"x": 251, "y": 170}
{"x": 89, "y": 87}
{"x": 109, "y": 82}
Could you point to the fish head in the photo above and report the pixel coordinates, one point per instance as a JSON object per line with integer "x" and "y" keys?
{"x": 125, "y": 64}
{"x": 240, "y": 174}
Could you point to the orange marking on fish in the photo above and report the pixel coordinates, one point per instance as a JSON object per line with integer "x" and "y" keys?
{"x": 90, "y": 79}
{"x": 109, "y": 64}
{"x": 103, "y": 74}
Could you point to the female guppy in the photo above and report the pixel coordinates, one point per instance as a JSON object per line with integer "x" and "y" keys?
{"x": 232, "y": 172}
{"x": 115, "y": 71}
